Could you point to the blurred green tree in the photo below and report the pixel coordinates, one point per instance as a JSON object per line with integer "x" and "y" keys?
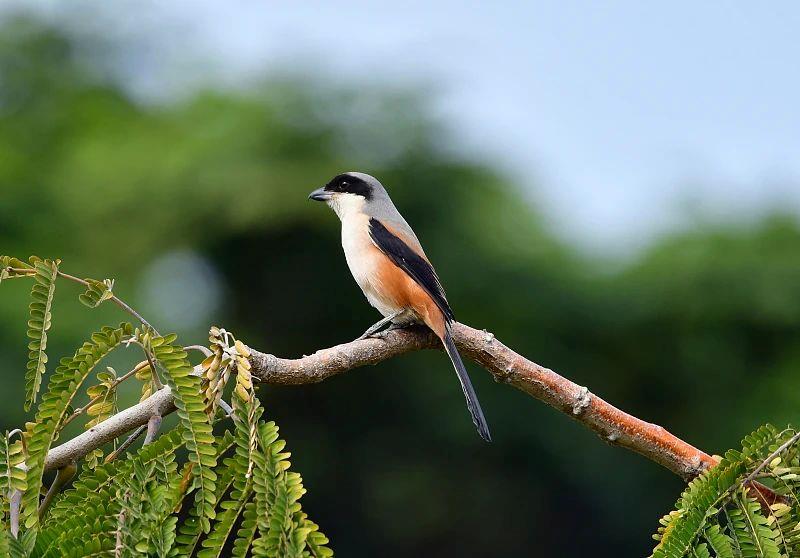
{"x": 699, "y": 333}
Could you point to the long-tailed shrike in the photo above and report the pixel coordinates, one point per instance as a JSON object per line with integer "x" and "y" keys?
{"x": 388, "y": 263}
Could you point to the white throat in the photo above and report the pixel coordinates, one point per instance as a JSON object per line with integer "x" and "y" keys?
{"x": 346, "y": 205}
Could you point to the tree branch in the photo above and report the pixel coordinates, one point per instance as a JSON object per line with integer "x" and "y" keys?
{"x": 506, "y": 366}
{"x": 160, "y": 403}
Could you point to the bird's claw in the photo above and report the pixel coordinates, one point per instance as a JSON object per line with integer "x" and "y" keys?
{"x": 380, "y": 334}
{"x": 375, "y": 335}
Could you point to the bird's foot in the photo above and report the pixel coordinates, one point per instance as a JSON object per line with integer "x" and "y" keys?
{"x": 387, "y": 321}
{"x": 382, "y": 334}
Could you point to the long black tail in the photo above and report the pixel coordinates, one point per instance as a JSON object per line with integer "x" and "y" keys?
{"x": 469, "y": 393}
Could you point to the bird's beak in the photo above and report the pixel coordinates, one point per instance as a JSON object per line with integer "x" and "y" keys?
{"x": 319, "y": 195}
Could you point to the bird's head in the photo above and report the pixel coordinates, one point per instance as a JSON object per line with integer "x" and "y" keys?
{"x": 350, "y": 192}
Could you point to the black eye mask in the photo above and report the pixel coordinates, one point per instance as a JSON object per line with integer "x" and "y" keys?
{"x": 350, "y": 185}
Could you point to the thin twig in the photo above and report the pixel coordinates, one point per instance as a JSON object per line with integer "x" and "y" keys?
{"x": 63, "y": 476}
{"x": 114, "y": 298}
{"x": 152, "y": 429}
{"x": 15, "y": 501}
{"x": 80, "y": 410}
{"x": 770, "y": 457}
{"x": 205, "y": 350}
{"x": 157, "y": 385}
{"x": 118, "y": 301}
{"x": 14, "y": 509}
{"x": 126, "y": 444}
{"x": 21, "y": 434}
{"x": 227, "y": 409}
{"x": 118, "y": 546}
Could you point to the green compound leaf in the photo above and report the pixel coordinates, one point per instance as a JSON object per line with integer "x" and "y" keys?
{"x": 12, "y": 475}
{"x": 10, "y": 268}
{"x": 97, "y": 292}
{"x": 197, "y": 430}
{"x": 246, "y": 414}
{"x": 717, "y": 517}
{"x": 42, "y": 293}
{"x": 63, "y": 387}
{"x": 94, "y": 493}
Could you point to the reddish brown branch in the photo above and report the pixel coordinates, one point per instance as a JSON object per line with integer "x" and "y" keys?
{"x": 612, "y": 424}
{"x": 506, "y": 366}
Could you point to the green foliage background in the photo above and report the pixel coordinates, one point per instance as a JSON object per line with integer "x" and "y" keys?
{"x": 699, "y": 333}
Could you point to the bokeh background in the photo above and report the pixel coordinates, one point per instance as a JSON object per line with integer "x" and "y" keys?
{"x": 611, "y": 188}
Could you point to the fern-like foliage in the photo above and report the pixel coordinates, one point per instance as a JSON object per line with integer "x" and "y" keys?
{"x": 42, "y": 294}
{"x": 196, "y": 425}
{"x": 95, "y": 493}
{"x": 63, "y": 387}
{"x": 97, "y": 292}
{"x": 145, "y": 524}
{"x": 11, "y": 267}
{"x": 190, "y": 532}
{"x": 234, "y": 495}
{"x": 283, "y": 529}
{"x": 721, "y": 515}
{"x": 757, "y": 538}
{"x": 103, "y": 405}
{"x": 217, "y": 368}
{"x": 12, "y": 475}
{"x": 145, "y": 375}
{"x": 246, "y": 413}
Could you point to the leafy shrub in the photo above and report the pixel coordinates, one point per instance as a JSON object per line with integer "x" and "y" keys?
{"x": 234, "y": 494}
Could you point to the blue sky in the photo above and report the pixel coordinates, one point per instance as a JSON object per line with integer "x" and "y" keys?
{"x": 624, "y": 119}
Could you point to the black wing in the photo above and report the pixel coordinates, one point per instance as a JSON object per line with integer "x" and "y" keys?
{"x": 412, "y": 263}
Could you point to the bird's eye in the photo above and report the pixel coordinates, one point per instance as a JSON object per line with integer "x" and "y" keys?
{"x": 344, "y": 184}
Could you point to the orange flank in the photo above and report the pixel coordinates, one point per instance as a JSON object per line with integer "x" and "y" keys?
{"x": 406, "y": 293}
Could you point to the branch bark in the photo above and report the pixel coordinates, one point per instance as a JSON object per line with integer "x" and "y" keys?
{"x": 161, "y": 403}
{"x": 506, "y": 366}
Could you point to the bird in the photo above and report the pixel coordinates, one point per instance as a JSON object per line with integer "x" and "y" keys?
{"x": 388, "y": 263}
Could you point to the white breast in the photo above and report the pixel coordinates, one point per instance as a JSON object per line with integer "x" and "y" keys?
{"x": 363, "y": 260}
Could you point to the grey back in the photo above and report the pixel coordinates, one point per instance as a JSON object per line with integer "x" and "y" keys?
{"x": 381, "y": 207}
